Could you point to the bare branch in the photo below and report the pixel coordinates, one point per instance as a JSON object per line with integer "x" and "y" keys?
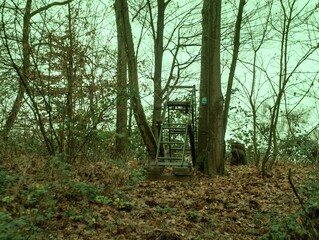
{"x": 44, "y": 8}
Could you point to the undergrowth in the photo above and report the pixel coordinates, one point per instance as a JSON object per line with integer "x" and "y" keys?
{"x": 303, "y": 224}
{"x": 40, "y": 199}
{"x": 30, "y": 203}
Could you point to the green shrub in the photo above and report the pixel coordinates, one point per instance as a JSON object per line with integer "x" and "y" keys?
{"x": 288, "y": 227}
{"x": 166, "y": 210}
{"x": 79, "y": 190}
{"x": 101, "y": 199}
{"x": 19, "y": 228}
{"x": 66, "y": 185}
{"x": 136, "y": 176}
{"x": 5, "y": 179}
{"x": 194, "y": 216}
{"x": 299, "y": 225}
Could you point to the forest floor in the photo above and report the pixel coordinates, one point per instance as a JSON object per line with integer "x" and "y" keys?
{"x": 41, "y": 199}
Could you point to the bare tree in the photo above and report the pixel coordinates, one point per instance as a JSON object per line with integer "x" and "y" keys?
{"x": 67, "y": 87}
{"x": 211, "y": 130}
{"x": 174, "y": 32}
{"x": 257, "y": 39}
{"x": 289, "y": 14}
{"x": 121, "y": 101}
{"x": 157, "y": 35}
{"x": 234, "y": 61}
{"x": 139, "y": 114}
{"x": 26, "y": 51}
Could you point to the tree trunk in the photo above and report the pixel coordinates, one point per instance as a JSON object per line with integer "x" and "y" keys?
{"x": 26, "y": 52}
{"x": 121, "y": 101}
{"x": 13, "y": 113}
{"x": 283, "y": 81}
{"x": 139, "y": 114}
{"x": 234, "y": 61}
{"x": 202, "y": 147}
{"x": 70, "y": 86}
{"x": 211, "y": 130}
{"x": 158, "y": 53}
{"x": 254, "y": 113}
{"x": 25, "y": 71}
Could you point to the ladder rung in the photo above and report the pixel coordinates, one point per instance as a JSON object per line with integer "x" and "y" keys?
{"x": 176, "y": 164}
{"x": 176, "y": 132}
{"x": 164, "y": 142}
{"x": 175, "y": 128}
{"x": 178, "y": 103}
{"x": 174, "y": 125}
{"x": 170, "y": 158}
{"x": 175, "y": 149}
{"x": 183, "y": 87}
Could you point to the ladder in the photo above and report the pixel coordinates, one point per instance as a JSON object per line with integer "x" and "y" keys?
{"x": 177, "y": 137}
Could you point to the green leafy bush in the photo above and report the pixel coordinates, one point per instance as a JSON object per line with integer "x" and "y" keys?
{"x": 137, "y": 175}
{"x": 194, "y": 216}
{"x": 5, "y": 179}
{"x": 66, "y": 185}
{"x": 101, "y": 199}
{"x": 288, "y": 227}
{"x": 18, "y": 228}
{"x": 166, "y": 210}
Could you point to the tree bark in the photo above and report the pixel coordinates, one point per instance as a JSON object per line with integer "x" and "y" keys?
{"x": 234, "y": 61}
{"x": 211, "y": 130}
{"x": 70, "y": 72}
{"x": 202, "y": 147}
{"x": 23, "y": 75}
{"x": 26, "y": 52}
{"x": 25, "y": 71}
{"x": 121, "y": 101}
{"x": 139, "y": 114}
{"x": 158, "y": 53}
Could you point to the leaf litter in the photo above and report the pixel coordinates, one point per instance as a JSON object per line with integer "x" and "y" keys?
{"x": 219, "y": 207}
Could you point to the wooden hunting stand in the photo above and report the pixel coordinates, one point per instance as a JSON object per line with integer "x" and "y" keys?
{"x": 178, "y": 134}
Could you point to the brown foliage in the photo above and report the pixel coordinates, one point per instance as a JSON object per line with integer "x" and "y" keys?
{"x": 221, "y": 207}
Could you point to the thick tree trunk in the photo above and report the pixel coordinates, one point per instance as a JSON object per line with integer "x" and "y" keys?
{"x": 203, "y": 120}
{"x": 139, "y": 114}
{"x": 211, "y": 130}
{"x": 158, "y": 51}
{"x": 121, "y": 101}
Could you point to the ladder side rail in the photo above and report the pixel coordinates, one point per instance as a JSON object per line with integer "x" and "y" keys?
{"x": 185, "y": 142}
{"x": 160, "y": 134}
{"x": 158, "y": 145}
{"x": 194, "y": 122}
{"x": 169, "y": 132}
{"x": 193, "y": 105}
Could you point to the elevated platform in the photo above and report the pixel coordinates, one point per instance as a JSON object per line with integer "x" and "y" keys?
{"x": 178, "y": 131}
